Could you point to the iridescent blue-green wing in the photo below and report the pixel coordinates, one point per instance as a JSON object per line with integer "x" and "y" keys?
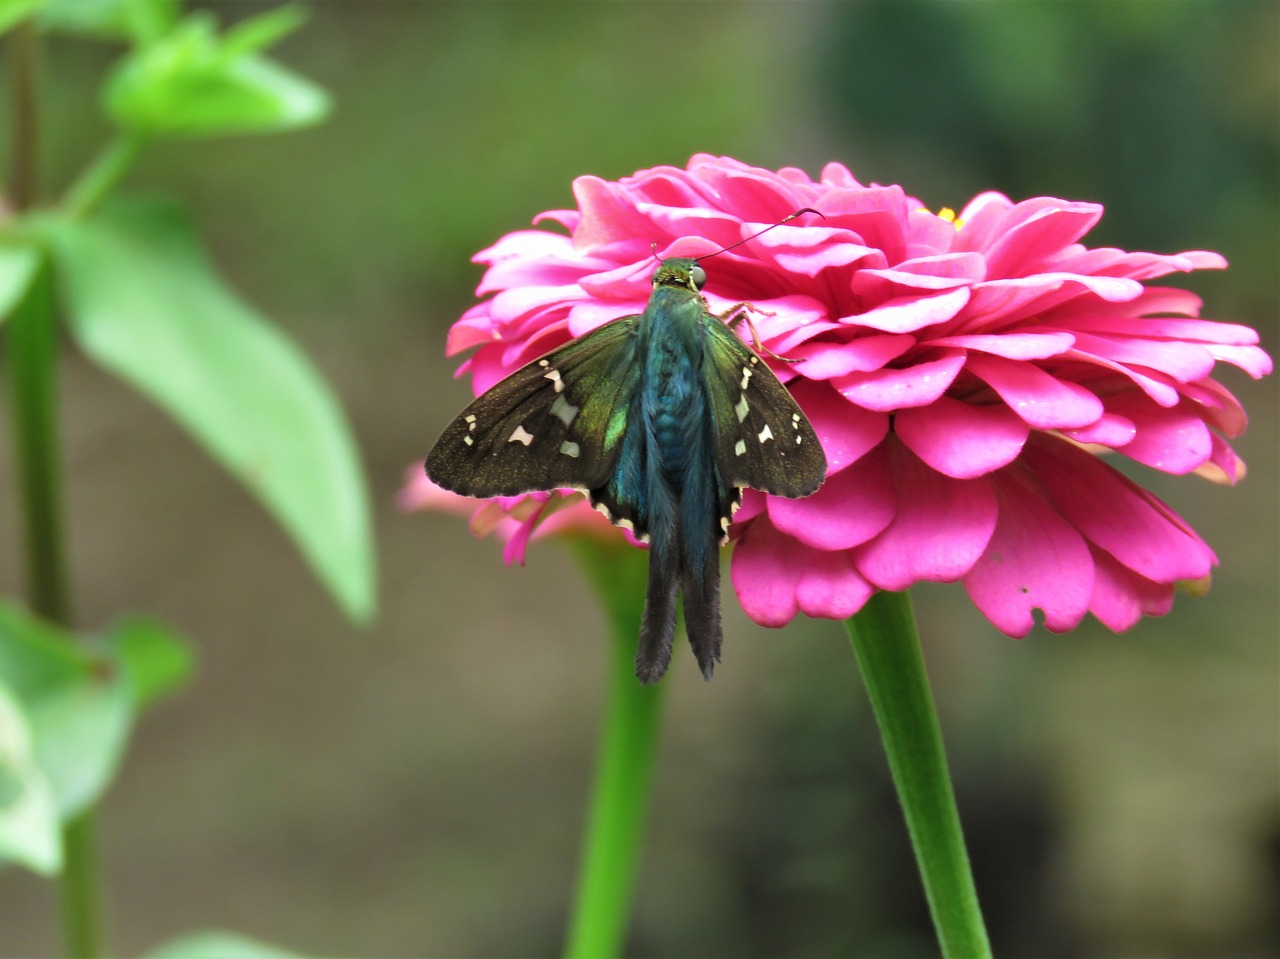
{"x": 763, "y": 439}
{"x": 553, "y": 423}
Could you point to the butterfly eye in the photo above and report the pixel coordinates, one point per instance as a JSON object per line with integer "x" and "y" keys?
{"x": 698, "y": 276}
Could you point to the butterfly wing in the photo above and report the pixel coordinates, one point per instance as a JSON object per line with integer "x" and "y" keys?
{"x": 763, "y": 438}
{"x": 557, "y": 422}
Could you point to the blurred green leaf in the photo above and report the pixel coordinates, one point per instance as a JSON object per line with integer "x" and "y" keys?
{"x": 218, "y": 945}
{"x": 145, "y": 304}
{"x": 263, "y": 31}
{"x": 194, "y": 83}
{"x": 17, "y": 267}
{"x": 77, "y": 708}
{"x": 142, "y": 21}
{"x": 11, "y": 11}
{"x": 155, "y": 660}
{"x": 80, "y": 699}
{"x": 29, "y": 827}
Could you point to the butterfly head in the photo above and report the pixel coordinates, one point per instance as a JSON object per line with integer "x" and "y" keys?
{"x": 681, "y": 272}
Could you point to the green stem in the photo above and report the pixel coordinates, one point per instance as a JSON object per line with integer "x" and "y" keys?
{"x": 24, "y": 51}
{"x": 888, "y": 651}
{"x": 98, "y": 180}
{"x": 31, "y": 355}
{"x": 31, "y": 359}
{"x": 81, "y": 904}
{"x": 628, "y": 745}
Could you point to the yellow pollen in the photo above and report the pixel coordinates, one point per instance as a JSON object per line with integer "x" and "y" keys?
{"x": 948, "y": 214}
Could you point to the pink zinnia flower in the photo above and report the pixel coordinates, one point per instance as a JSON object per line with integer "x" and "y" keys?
{"x": 964, "y": 374}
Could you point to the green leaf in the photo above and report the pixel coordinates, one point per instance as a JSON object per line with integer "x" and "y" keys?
{"x": 80, "y": 698}
{"x": 11, "y": 11}
{"x": 145, "y": 304}
{"x": 155, "y": 660}
{"x": 193, "y": 83}
{"x": 29, "y": 828}
{"x": 218, "y": 945}
{"x": 17, "y": 267}
{"x": 263, "y": 31}
{"x": 142, "y": 21}
{"x": 78, "y": 709}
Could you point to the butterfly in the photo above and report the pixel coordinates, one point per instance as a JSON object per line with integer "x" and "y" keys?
{"x": 661, "y": 418}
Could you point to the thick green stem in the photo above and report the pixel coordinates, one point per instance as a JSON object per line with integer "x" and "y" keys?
{"x": 32, "y": 367}
{"x": 628, "y": 745}
{"x": 888, "y": 650}
{"x": 31, "y": 359}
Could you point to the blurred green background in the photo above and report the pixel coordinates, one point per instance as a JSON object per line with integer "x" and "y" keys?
{"x": 417, "y": 789}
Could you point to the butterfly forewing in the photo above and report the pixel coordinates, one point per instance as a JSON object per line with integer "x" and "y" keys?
{"x": 763, "y": 438}
{"x": 552, "y": 423}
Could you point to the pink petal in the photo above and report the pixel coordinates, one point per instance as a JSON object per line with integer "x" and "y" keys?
{"x": 962, "y": 440}
{"x": 1035, "y": 559}
{"x": 896, "y": 389}
{"x": 1121, "y": 597}
{"x": 1013, "y": 346}
{"x": 1173, "y": 440}
{"x": 1185, "y": 362}
{"x": 941, "y": 528}
{"x": 1042, "y": 400}
{"x": 906, "y": 314}
{"x": 824, "y": 360}
{"x": 1036, "y": 229}
{"x": 830, "y": 587}
{"x": 847, "y": 432}
{"x": 1000, "y": 302}
{"x": 1116, "y": 514}
{"x": 1108, "y": 430}
{"x": 808, "y": 250}
{"x": 928, "y": 273}
{"x": 607, "y": 213}
{"x": 775, "y": 577}
{"x": 852, "y": 506}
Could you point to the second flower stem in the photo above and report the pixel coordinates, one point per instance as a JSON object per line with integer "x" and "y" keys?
{"x": 615, "y": 826}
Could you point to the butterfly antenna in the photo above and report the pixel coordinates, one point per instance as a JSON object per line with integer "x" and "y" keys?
{"x": 785, "y": 219}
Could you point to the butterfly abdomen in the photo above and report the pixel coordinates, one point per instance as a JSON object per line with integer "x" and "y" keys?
{"x": 682, "y": 485}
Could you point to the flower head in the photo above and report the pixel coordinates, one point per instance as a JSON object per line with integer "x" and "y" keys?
{"x": 963, "y": 372}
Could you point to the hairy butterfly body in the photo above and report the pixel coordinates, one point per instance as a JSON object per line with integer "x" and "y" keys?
{"x": 662, "y": 419}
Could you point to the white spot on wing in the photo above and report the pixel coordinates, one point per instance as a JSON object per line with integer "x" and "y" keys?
{"x": 521, "y": 435}
{"x": 554, "y": 377}
{"x": 746, "y": 376}
{"x": 569, "y": 449}
{"x": 742, "y": 409}
{"x": 765, "y": 434}
{"x": 469, "y": 441}
{"x": 740, "y": 448}
{"x": 565, "y": 410}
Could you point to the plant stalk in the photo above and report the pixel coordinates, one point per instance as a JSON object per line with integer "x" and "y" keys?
{"x": 615, "y": 826}
{"x": 887, "y": 646}
{"x": 31, "y": 358}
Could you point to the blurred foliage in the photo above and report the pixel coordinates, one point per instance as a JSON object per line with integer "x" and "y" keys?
{"x": 1119, "y": 793}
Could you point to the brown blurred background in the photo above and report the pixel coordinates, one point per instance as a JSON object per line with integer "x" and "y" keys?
{"x": 417, "y": 789}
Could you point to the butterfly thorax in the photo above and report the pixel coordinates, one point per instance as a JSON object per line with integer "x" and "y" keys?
{"x": 674, "y": 400}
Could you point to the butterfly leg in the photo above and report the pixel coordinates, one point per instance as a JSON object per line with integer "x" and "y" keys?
{"x": 741, "y": 312}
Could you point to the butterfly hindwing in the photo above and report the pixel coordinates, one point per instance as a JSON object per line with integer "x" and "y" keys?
{"x": 763, "y": 438}
{"x": 556, "y": 422}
